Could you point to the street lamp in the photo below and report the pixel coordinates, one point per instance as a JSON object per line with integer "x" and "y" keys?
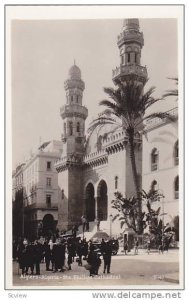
{"x": 110, "y": 225}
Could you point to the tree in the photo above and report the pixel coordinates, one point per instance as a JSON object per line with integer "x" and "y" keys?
{"x": 170, "y": 93}
{"x": 127, "y": 208}
{"x": 127, "y": 106}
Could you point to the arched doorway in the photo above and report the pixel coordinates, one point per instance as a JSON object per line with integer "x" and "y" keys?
{"x": 48, "y": 225}
{"x": 102, "y": 201}
{"x": 90, "y": 203}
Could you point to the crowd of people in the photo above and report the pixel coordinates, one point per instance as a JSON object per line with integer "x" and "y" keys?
{"x": 60, "y": 254}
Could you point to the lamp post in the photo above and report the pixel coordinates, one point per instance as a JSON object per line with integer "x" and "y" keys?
{"x": 110, "y": 225}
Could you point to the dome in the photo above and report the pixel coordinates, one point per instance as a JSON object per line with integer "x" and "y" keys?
{"x": 131, "y": 24}
{"x": 74, "y": 72}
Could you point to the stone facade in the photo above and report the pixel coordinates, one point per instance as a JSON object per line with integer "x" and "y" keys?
{"x": 161, "y": 170}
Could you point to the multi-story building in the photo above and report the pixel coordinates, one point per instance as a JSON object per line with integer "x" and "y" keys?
{"x": 17, "y": 198}
{"x": 41, "y": 191}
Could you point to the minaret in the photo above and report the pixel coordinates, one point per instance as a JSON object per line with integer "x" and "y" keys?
{"x": 73, "y": 115}
{"x": 69, "y": 167}
{"x": 130, "y": 42}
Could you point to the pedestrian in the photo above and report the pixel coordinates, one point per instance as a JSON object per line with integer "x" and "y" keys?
{"x": 148, "y": 246}
{"x": 37, "y": 256}
{"x": 23, "y": 257}
{"x": 98, "y": 263}
{"x": 107, "y": 253}
{"x": 70, "y": 254}
{"x": 125, "y": 247}
{"x": 31, "y": 257}
{"x": 85, "y": 249}
{"x": 92, "y": 261}
{"x": 80, "y": 252}
{"x": 87, "y": 225}
{"x": 48, "y": 255}
{"x": 98, "y": 224}
{"x": 74, "y": 230}
{"x": 83, "y": 221}
{"x": 136, "y": 246}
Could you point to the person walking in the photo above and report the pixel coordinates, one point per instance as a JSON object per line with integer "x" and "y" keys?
{"x": 70, "y": 254}
{"x": 125, "y": 247}
{"x": 47, "y": 254}
{"x": 148, "y": 246}
{"x": 85, "y": 249}
{"x": 23, "y": 257}
{"x": 37, "y": 256}
{"x": 80, "y": 252}
{"x": 136, "y": 246}
{"x": 92, "y": 261}
{"x": 107, "y": 254}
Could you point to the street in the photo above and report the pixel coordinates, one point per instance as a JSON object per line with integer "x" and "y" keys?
{"x": 133, "y": 270}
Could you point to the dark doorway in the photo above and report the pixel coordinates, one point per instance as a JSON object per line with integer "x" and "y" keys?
{"x": 102, "y": 201}
{"x": 48, "y": 225}
{"x": 90, "y": 203}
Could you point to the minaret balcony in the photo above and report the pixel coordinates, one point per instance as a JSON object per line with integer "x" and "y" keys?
{"x": 130, "y": 36}
{"x": 130, "y": 71}
{"x": 73, "y": 110}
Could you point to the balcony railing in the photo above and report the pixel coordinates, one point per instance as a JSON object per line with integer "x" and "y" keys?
{"x": 130, "y": 69}
{"x": 154, "y": 167}
{"x": 42, "y": 206}
{"x": 73, "y": 109}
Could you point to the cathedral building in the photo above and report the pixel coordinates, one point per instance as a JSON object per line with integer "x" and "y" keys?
{"x": 92, "y": 169}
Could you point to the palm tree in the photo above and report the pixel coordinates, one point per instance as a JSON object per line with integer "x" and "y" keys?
{"x": 174, "y": 92}
{"x": 128, "y": 103}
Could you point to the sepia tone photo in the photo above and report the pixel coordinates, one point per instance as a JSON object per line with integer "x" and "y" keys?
{"x": 95, "y": 131}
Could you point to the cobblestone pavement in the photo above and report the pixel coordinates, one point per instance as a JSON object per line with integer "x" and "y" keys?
{"x": 132, "y": 270}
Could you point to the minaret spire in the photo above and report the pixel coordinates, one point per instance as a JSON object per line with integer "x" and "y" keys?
{"x": 130, "y": 42}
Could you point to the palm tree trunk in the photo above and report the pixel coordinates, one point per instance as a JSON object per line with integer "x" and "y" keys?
{"x": 130, "y": 132}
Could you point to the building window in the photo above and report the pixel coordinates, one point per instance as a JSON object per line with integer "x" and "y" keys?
{"x": 129, "y": 57}
{"x": 116, "y": 182}
{"x": 64, "y": 129}
{"x": 48, "y": 181}
{"x": 71, "y": 98}
{"x": 48, "y": 165}
{"x": 71, "y": 128}
{"x": 154, "y": 160}
{"x": 122, "y": 59}
{"x": 77, "y": 99}
{"x": 48, "y": 200}
{"x": 135, "y": 57}
{"x": 78, "y": 127}
{"x": 176, "y": 154}
{"x": 176, "y": 187}
{"x": 62, "y": 194}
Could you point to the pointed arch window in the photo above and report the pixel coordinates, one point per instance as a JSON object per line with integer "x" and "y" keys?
{"x": 78, "y": 127}
{"x": 154, "y": 159}
{"x": 176, "y": 154}
{"x": 176, "y": 187}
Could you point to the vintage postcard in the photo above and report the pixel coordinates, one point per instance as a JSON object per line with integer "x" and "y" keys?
{"x": 94, "y": 133}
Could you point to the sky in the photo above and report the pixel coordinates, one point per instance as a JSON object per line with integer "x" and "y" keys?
{"x": 42, "y": 51}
